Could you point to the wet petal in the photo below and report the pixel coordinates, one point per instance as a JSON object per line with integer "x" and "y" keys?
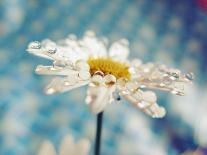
{"x": 119, "y": 50}
{"x": 145, "y": 101}
{"x": 54, "y": 70}
{"x": 92, "y": 45}
{"x": 98, "y": 97}
{"x": 58, "y": 85}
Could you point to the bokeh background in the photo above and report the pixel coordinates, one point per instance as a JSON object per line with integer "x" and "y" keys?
{"x": 173, "y": 32}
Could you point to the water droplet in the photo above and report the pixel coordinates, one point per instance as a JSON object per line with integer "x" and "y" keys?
{"x": 167, "y": 80}
{"x": 99, "y": 73}
{"x": 52, "y": 50}
{"x": 50, "y": 47}
{"x": 116, "y": 96}
{"x": 34, "y": 45}
{"x": 132, "y": 85}
{"x": 190, "y": 76}
{"x": 109, "y": 79}
{"x": 97, "y": 79}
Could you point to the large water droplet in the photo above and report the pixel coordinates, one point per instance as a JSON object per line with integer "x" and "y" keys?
{"x": 34, "y": 45}
{"x": 190, "y": 76}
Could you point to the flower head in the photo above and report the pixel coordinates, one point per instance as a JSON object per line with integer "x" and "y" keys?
{"x": 107, "y": 72}
{"x": 67, "y": 147}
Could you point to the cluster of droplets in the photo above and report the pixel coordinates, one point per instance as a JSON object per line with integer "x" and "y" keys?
{"x": 70, "y": 63}
{"x": 75, "y": 75}
{"x": 144, "y": 100}
{"x": 156, "y": 76}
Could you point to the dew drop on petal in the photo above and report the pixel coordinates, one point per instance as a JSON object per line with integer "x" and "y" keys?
{"x": 149, "y": 96}
{"x": 99, "y": 73}
{"x": 34, "y": 45}
{"x": 97, "y": 79}
{"x": 50, "y": 46}
{"x": 109, "y": 79}
{"x": 131, "y": 85}
{"x": 116, "y": 96}
{"x": 190, "y": 76}
{"x": 143, "y": 104}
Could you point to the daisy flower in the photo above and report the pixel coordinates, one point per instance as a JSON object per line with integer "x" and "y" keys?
{"x": 67, "y": 147}
{"x": 108, "y": 73}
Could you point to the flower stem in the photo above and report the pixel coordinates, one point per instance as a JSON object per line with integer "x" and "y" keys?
{"x": 98, "y": 133}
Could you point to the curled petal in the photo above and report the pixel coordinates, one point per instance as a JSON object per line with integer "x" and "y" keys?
{"x": 98, "y": 97}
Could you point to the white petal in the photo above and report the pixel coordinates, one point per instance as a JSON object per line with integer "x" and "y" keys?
{"x": 146, "y": 102}
{"x": 40, "y": 53}
{"x": 98, "y": 97}
{"x": 82, "y": 65}
{"x": 51, "y": 70}
{"x": 58, "y": 85}
{"x": 47, "y": 148}
{"x": 82, "y": 147}
{"x": 92, "y": 46}
{"x": 149, "y": 96}
{"x": 67, "y": 146}
{"x": 155, "y": 111}
{"x": 119, "y": 50}
{"x": 109, "y": 79}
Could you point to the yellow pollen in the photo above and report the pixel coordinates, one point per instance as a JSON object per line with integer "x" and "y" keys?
{"x": 109, "y": 66}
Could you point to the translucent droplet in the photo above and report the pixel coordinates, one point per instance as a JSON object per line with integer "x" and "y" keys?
{"x": 143, "y": 104}
{"x": 116, "y": 96}
{"x": 149, "y": 96}
{"x": 177, "y": 92}
{"x": 167, "y": 80}
{"x": 52, "y": 50}
{"x": 97, "y": 79}
{"x": 99, "y": 73}
{"x": 190, "y": 76}
{"x": 50, "y": 47}
{"x": 132, "y": 85}
{"x": 34, "y": 45}
{"x": 109, "y": 79}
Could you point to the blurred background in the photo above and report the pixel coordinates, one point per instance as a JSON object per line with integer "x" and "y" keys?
{"x": 173, "y": 32}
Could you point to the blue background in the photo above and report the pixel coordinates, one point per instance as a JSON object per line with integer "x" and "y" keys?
{"x": 167, "y": 31}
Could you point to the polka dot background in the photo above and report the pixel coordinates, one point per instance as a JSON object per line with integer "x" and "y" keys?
{"x": 166, "y": 31}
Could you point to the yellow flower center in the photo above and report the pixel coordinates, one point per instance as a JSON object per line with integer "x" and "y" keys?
{"x": 109, "y": 66}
